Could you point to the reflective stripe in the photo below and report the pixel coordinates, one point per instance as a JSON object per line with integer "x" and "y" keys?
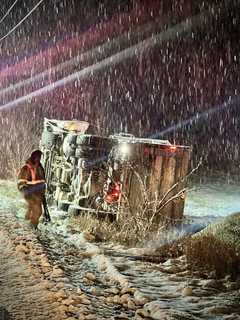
{"x": 33, "y": 171}
{"x": 22, "y": 180}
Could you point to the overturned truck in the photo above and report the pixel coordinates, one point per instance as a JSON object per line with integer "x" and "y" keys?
{"x": 89, "y": 173}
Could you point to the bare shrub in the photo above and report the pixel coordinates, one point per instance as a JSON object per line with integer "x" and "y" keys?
{"x": 208, "y": 254}
{"x": 17, "y": 156}
{"x": 138, "y": 224}
{"x": 100, "y": 229}
{"x": 125, "y": 232}
{"x": 21, "y": 136}
{"x": 131, "y": 228}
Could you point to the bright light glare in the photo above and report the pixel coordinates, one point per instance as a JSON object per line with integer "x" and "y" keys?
{"x": 173, "y": 148}
{"x": 124, "y": 148}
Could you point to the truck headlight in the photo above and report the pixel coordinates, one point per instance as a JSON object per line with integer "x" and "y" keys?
{"x": 124, "y": 149}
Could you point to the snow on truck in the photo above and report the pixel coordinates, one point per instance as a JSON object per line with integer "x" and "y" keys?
{"x": 89, "y": 173}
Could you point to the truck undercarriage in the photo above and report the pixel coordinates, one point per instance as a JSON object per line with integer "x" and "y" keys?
{"x": 89, "y": 173}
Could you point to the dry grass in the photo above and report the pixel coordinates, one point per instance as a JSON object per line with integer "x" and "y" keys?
{"x": 136, "y": 224}
{"x": 133, "y": 225}
{"x": 208, "y": 254}
{"x": 204, "y": 254}
{"x": 125, "y": 231}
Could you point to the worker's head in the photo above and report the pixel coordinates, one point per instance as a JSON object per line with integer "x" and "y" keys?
{"x": 36, "y": 156}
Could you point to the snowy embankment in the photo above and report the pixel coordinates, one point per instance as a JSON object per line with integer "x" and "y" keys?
{"x": 213, "y": 198}
{"x": 80, "y": 282}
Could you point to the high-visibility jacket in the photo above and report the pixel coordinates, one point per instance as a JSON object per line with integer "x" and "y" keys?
{"x": 30, "y": 172}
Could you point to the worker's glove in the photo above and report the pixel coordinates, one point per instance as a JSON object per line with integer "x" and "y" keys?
{"x": 28, "y": 189}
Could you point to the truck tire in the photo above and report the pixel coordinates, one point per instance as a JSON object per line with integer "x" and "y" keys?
{"x": 72, "y": 211}
{"x": 48, "y": 139}
{"x": 69, "y": 151}
{"x": 94, "y": 142}
{"x": 85, "y": 152}
{"x": 82, "y": 139}
{"x": 71, "y": 139}
{"x": 63, "y": 205}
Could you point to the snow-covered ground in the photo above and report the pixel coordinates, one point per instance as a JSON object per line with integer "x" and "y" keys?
{"x": 216, "y": 198}
{"x": 167, "y": 284}
{"x": 213, "y": 198}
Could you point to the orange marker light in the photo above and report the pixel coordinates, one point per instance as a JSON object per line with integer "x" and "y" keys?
{"x": 173, "y": 148}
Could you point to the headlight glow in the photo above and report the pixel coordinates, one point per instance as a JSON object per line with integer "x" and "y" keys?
{"x": 124, "y": 149}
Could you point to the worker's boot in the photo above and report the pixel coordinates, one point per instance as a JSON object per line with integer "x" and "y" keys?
{"x": 33, "y": 226}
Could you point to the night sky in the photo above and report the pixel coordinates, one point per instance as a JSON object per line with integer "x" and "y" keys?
{"x": 160, "y": 90}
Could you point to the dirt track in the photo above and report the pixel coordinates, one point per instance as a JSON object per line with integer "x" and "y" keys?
{"x": 22, "y": 293}
{"x": 33, "y": 287}
{"x": 44, "y": 276}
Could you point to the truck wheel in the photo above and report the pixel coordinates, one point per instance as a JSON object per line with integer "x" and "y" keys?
{"x": 71, "y": 139}
{"x": 48, "y": 139}
{"x": 70, "y": 151}
{"x": 63, "y": 205}
{"x": 73, "y": 211}
{"x": 83, "y": 139}
{"x": 94, "y": 142}
{"x": 85, "y": 152}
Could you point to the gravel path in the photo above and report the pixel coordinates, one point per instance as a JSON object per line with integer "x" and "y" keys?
{"x": 31, "y": 286}
{"x": 22, "y": 294}
{"x": 56, "y": 274}
{"x": 35, "y": 287}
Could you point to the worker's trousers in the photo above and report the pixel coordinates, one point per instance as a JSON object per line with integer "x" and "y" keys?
{"x": 34, "y": 208}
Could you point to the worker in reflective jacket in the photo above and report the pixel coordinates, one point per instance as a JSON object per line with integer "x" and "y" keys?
{"x": 31, "y": 182}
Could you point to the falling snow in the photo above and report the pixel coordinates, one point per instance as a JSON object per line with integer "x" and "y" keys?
{"x": 161, "y": 69}
{"x": 136, "y": 66}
